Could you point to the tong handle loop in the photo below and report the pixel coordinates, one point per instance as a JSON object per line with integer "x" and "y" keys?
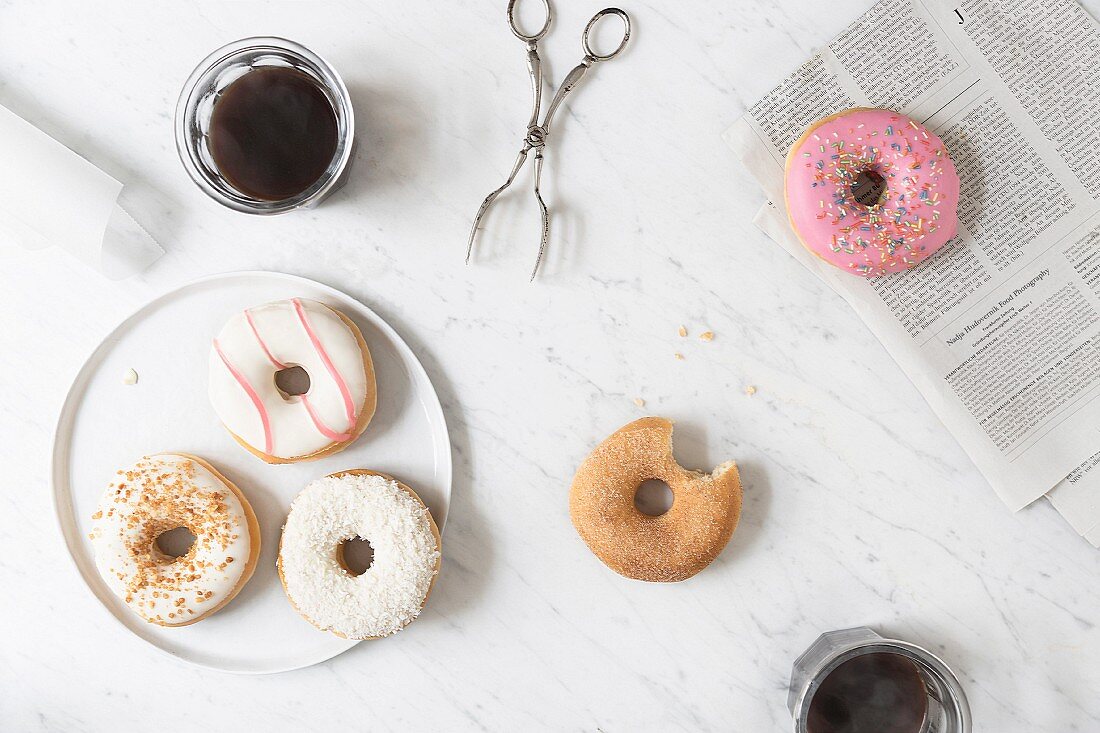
{"x": 535, "y": 37}
{"x": 592, "y": 24}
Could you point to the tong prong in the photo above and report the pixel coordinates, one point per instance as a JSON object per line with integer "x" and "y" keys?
{"x": 545, "y": 214}
{"x": 493, "y": 197}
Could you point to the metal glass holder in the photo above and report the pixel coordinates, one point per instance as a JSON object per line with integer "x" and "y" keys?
{"x": 948, "y": 710}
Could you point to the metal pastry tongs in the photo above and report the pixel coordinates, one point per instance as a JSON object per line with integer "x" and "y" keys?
{"x": 535, "y": 138}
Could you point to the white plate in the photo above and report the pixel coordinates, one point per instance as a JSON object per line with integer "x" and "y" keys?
{"x": 106, "y": 425}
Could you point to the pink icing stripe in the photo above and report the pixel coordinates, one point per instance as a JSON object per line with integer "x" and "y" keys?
{"x": 252, "y": 324}
{"x": 324, "y": 429}
{"x": 349, "y": 406}
{"x": 251, "y": 395}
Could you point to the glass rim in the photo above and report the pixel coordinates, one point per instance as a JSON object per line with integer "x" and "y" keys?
{"x": 221, "y": 191}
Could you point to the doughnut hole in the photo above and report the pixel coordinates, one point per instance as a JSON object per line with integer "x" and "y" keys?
{"x": 869, "y": 187}
{"x": 355, "y": 555}
{"x": 174, "y": 543}
{"x": 653, "y": 497}
{"x": 292, "y": 382}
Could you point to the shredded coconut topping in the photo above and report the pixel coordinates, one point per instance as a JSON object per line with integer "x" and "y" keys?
{"x": 392, "y": 591}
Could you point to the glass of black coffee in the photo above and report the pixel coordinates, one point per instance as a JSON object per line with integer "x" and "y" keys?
{"x": 856, "y": 681}
{"x": 265, "y": 126}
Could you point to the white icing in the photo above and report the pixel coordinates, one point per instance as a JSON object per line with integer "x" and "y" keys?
{"x": 391, "y": 592}
{"x": 157, "y": 494}
{"x": 293, "y": 432}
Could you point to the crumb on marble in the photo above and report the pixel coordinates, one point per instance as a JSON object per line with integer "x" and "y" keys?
{"x": 706, "y": 336}
{"x": 639, "y": 402}
{"x": 750, "y": 390}
{"x": 131, "y": 377}
{"x": 678, "y": 356}
{"x": 682, "y": 330}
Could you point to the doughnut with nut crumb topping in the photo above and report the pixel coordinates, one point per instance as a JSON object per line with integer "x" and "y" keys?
{"x": 166, "y": 493}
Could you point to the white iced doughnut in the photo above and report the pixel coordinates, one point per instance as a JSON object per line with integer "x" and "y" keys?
{"x": 158, "y": 494}
{"x": 389, "y": 515}
{"x": 260, "y": 342}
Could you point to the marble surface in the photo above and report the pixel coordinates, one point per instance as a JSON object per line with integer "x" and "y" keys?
{"x": 859, "y": 508}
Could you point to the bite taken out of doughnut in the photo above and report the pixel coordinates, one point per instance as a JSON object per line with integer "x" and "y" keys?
{"x": 666, "y": 548}
{"x": 832, "y": 172}
{"x": 292, "y": 380}
{"x": 157, "y": 495}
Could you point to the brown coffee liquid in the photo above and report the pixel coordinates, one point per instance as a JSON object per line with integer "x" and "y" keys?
{"x": 273, "y": 133}
{"x": 871, "y": 693}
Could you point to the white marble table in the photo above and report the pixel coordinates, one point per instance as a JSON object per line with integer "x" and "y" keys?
{"x": 859, "y": 508}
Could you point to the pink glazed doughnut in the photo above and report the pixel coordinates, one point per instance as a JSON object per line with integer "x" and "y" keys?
{"x": 916, "y": 215}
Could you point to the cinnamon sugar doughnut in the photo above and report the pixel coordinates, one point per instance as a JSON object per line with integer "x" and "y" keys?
{"x": 673, "y": 546}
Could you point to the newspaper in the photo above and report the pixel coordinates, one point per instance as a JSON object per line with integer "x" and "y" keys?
{"x": 1000, "y": 331}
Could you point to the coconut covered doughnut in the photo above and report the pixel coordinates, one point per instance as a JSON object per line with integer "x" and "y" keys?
{"x": 155, "y": 495}
{"x": 259, "y": 343}
{"x": 390, "y": 594}
{"x": 915, "y": 216}
{"x": 673, "y": 546}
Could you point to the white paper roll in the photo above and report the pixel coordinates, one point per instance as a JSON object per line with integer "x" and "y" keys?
{"x": 49, "y": 195}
